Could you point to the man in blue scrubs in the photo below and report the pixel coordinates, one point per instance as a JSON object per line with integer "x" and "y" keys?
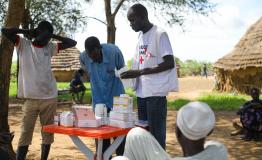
{"x": 100, "y": 62}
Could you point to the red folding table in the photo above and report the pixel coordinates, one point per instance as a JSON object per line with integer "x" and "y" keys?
{"x": 100, "y": 133}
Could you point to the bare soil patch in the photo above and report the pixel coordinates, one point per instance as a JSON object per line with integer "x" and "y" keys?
{"x": 190, "y": 88}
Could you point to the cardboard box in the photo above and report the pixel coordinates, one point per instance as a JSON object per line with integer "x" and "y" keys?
{"x": 123, "y": 103}
{"x": 121, "y": 124}
{"x": 83, "y": 112}
{"x": 88, "y": 123}
{"x": 128, "y": 117}
{"x": 85, "y": 117}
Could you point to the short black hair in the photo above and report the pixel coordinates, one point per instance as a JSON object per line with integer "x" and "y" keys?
{"x": 254, "y": 90}
{"x": 81, "y": 71}
{"x": 46, "y": 25}
{"x": 139, "y": 9}
{"x": 91, "y": 43}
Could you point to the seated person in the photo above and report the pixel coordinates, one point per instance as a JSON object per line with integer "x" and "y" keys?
{"x": 77, "y": 86}
{"x": 250, "y": 117}
{"x": 195, "y": 121}
{"x": 5, "y": 139}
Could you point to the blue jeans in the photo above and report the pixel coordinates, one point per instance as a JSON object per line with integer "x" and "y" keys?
{"x": 154, "y": 110}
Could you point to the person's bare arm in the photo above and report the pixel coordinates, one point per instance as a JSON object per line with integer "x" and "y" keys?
{"x": 11, "y": 33}
{"x": 65, "y": 42}
{"x": 166, "y": 65}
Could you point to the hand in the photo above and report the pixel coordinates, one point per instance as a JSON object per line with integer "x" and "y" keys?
{"x": 130, "y": 74}
{"x": 33, "y": 32}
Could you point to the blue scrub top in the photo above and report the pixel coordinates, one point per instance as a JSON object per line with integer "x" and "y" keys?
{"x": 104, "y": 84}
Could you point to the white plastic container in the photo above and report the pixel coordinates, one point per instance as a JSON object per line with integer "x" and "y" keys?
{"x": 67, "y": 119}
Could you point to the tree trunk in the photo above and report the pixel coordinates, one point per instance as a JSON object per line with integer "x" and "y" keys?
{"x": 13, "y": 19}
{"x": 111, "y": 30}
{"x": 110, "y": 19}
{"x": 26, "y": 19}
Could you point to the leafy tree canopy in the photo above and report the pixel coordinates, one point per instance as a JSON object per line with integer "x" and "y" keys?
{"x": 174, "y": 11}
{"x": 65, "y": 15}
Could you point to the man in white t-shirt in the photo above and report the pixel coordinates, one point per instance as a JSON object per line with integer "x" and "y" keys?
{"x": 36, "y": 83}
{"x": 195, "y": 121}
{"x": 153, "y": 70}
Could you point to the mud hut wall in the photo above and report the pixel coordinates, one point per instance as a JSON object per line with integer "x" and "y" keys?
{"x": 63, "y": 76}
{"x": 67, "y": 76}
{"x": 240, "y": 81}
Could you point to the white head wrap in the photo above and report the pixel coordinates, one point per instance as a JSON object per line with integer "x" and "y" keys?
{"x": 195, "y": 120}
{"x": 120, "y": 158}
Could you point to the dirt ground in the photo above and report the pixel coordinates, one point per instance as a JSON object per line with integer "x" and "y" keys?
{"x": 190, "y": 87}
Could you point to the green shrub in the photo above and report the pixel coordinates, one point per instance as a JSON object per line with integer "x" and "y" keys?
{"x": 13, "y": 71}
{"x": 224, "y": 101}
{"x": 193, "y": 67}
{"x": 217, "y": 101}
{"x": 177, "y": 104}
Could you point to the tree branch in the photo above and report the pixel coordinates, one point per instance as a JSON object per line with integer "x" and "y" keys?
{"x": 98, "y": 20}
{"x": 118, "y": 7}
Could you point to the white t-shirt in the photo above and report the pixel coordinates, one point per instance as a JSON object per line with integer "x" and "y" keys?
{"x": 153, "y": 151}
{"x": 141, "y": 145}
{"x": 164, "y": 48}
{"x": 213, "y": 151}
{"x": 35, "y": 79}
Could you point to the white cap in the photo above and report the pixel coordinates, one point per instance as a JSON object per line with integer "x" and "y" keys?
{"x": 120, "y": 158}
{"x": 195, "y": 120}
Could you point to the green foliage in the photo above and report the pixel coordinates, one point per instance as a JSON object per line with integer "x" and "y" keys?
{"x": 193, "y": 67}
{"x": 130, "y": 92}
{"x": 13, "y": 71}
{"x": 187, "y": 68}
{"x": 13, "y": 89}
{"x": 224, "y": 101}
{"x": 66, "y": 85}
{"x": 176, "y": 11}
{"x": 65, "y": 15}
{"x": 129, "y": 63}
{"x": 177, "y": 104}
{"x": 178, "y": 61}
{"x": 3, "y": 7}
{"x": 68, "y": 97}
{"x": 217, "y": 101}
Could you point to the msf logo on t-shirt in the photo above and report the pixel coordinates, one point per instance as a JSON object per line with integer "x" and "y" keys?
{"x": 144, "y": 53}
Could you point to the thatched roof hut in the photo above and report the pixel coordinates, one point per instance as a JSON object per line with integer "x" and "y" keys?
{"x": 65, "y": 63}
{"x": 241, "y": 69}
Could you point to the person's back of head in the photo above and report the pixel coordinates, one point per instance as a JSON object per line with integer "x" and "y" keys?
{"x": 81, "y": 71}
{"x": 255, "y": 93}
{"x": 92, "y": 43}
{"x": 195, "y": 121}
{"x": 46, "y": 26}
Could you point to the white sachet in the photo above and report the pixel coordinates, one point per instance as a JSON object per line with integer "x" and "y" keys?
{"x": 127, "y": 83}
